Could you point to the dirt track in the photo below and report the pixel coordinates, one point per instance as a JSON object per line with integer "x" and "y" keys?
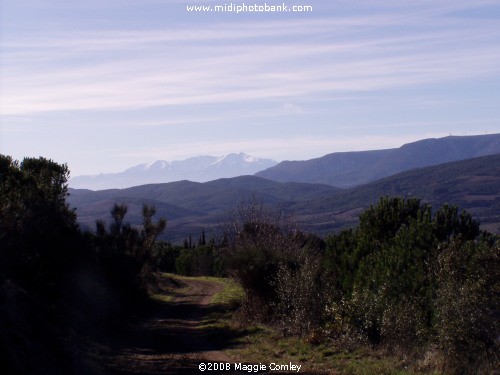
{"x": 169, "y": 340}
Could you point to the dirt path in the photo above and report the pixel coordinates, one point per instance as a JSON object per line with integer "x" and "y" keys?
{"x": 176, "y": 336}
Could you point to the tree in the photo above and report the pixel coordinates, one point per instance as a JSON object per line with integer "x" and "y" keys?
{"x": 126, "y": 253}
{"x": 37, "y": 227}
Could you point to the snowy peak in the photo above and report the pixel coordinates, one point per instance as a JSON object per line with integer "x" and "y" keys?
{"x": 198, "y": 169}
{"x": 250, "y": 159}
{"x": 159, "y": 164}
{"x": 239, "y": 159}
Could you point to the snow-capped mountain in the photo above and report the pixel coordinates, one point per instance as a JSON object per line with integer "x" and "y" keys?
{"x": 198, "y": 169}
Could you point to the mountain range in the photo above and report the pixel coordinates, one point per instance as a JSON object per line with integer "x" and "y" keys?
{"x": 198, "y": 169}
{"x": 349, "y": 169}
{"x": 190, "y": 207}
{"x": 339, "y": 169}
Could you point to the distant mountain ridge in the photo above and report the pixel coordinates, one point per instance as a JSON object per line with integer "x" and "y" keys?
{"x": 198, "y": 169}
{"x": 472, "y": 184}
{"x": 349, "y": 169}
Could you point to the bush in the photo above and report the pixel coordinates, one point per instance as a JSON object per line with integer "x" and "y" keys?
{"x": 125, "y": 254}
{"x": 261, "y": 241}
{"x": 256, "y": 269}
{"x": 164, "y": 257}
{"x": 203, "y": 260}
{"x": 301, "y": 296}
{"x": 468, "y": 306}
{"x": 403, "y": 328}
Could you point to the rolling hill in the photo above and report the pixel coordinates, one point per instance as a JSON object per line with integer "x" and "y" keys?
{"x": 191, "y": 206}
{"x": 472, "y": 184}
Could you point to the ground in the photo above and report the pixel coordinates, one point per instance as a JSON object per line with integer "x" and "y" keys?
{"x": 173, "y": 337}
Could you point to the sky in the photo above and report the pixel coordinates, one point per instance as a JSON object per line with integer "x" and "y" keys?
{"x": 103, "y": 85}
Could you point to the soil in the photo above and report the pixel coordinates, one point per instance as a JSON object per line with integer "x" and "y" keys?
{"x": 170, "y": 338}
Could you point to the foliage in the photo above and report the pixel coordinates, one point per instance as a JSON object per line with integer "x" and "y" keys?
{"x": 277, "y": 266}
{"x": 301, "y": 296}
{"x": 202, "y": 260}
{"x": 37, "y": 227}
{"x": 206, "y": 258}
{"x": 468, "y": 305}
{"x": 53, "y": 276}
{"x": 165, "y": 256}
{"x": 125, "y": 254}
{"x": 387, "y": 266}
{"x": 406, "y": 279}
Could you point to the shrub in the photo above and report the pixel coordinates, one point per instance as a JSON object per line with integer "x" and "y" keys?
{"x": 301, "y": 295}
{"x": 403, "y": 328}
{"x": 255, "y": 269}
{"x": 260, "y": 241}
{"x": 165, "y": 255}
{"x": 125, "y": 254}
{"x": 203, "y": 260}
{"x": 468, "y": 306}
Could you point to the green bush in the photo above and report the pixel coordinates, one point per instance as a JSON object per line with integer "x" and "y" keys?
{"x": 203, "y": 260}
{"x": 256, "y": 269}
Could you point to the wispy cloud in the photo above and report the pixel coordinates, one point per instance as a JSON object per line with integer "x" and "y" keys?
{"x": 256, "y": 70}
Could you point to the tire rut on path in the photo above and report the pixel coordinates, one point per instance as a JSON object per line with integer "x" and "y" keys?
{"x": 171, "y": 339}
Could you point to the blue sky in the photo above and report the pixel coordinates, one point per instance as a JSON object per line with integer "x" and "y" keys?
{"x": 107, "y": 84}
